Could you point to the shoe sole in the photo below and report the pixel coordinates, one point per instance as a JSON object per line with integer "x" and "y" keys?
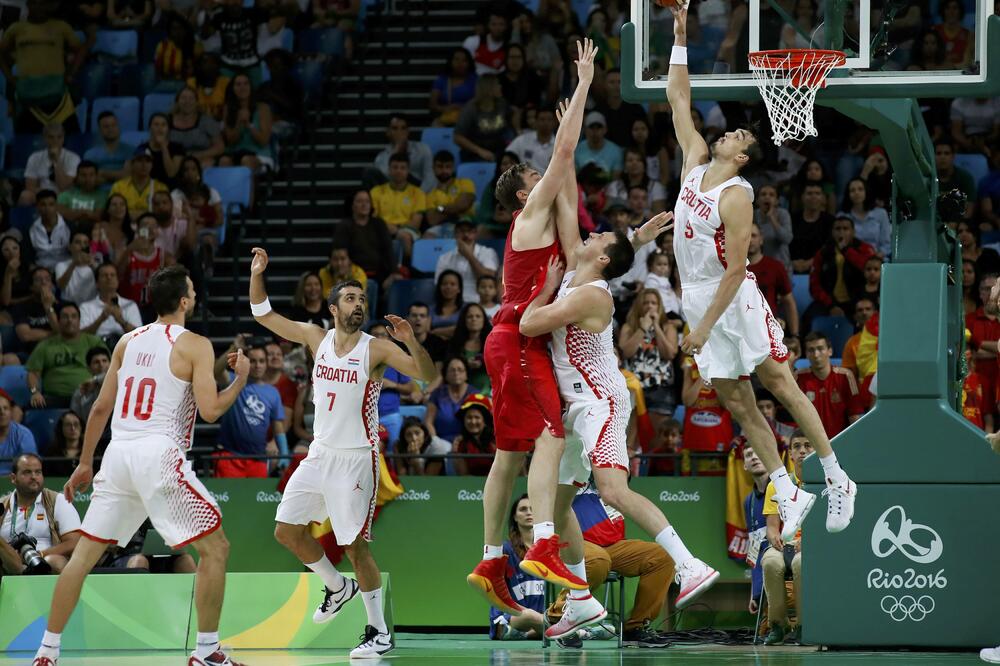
{"x": 580, "y": 625}
{"x": 788, "y": 531}
{"x": 703, "y": 586}
{"x": 988, "y": 660}
{"x": 538, "y": 570}
{"x": 484, "y": 587}
{"x": 850, "y": 517}
{"x": 324, "y": 620}
{"x": 374, "y": 655}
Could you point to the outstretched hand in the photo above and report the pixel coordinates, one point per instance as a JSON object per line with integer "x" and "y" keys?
{"x": 659, "y": 223}
{"x": 586, "y": 52}
{"x": 259, "y": 262}
{"x": 400, "y": 329}
{"x": 680, "y": 12}
{"x": 554, "y": 273}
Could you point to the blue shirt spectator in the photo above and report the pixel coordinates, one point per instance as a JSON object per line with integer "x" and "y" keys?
{"x": 17, "y": 439}
{"x": 443, "y": 418}
{"x": 753, "y": 511}
{"x": 597, "y": 149}
{"x": 388, "y": 404}
{"x": 111, "y": 153}
{"x": 245, "y": 426}
{"x": 110, "y": 161}
{"x": 526, "y": 590}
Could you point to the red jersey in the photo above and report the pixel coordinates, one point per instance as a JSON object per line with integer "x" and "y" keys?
{"x": 523, "y": 274}
{"x": 772, "y": 279}
{"x": 708, "y": 426}
{"x": 972, "y": 400}
{"x": 137, "y": 273}
{"x": 836, "y": 398}
{"x": 492, "y": 58}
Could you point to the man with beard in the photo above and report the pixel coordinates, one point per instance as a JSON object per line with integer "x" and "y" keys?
{"x": 339, "y": 477}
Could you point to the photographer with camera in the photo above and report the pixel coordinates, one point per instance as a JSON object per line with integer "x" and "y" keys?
{"x": 40, "y": 528}
{"x": 131, "y": 556}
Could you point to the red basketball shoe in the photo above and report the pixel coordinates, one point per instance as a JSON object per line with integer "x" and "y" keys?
{"x": 542, "y": 561}
{"x": 488, "y": 579}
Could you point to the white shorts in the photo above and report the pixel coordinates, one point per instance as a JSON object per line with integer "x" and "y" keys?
{"x": 339, "y": 484}
{"x": 153, "y": 478}
{"x": 596, "y": 434}
{"x": 745, "y": 336}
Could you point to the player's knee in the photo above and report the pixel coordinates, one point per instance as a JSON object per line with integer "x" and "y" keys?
{"x": 357, "y": 550}
{"x": 185, "y": 564}
{"x": 287, "y": 535}
{"x": 137, "y": 562}
{"x": 615, "y": 494}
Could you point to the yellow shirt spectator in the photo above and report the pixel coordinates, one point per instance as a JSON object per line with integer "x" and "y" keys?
{"x": 328, "y": 279}
{"x": 397, "y": 207}
{"x": 445, "y": 196}
{"x": 140, "y": 200}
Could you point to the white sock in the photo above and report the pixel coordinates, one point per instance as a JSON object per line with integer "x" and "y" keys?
{"x": 51, "y": 642}
{"x": 782, "y": 483}
{"x": 373, "y": 604}
{"x": 671, "y": 542}
{"x": 834, "y": 472}
{"x": 208, "y": 643}
{"x": 579, "y": 569}
{"x": 324, "y": 568}
{"x": 543, "y": 530}
{"x": 492, "y": 552}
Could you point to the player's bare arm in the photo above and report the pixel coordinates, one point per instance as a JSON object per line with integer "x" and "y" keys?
{"x": 736, "y": 210}
{"x": 300, "y": 332}
{"x": 566, "y": 206}
{"x": 417, "y": 364}
{"x": 212, "y": 403}
{"x": 693, "y": 146}
{"x": 589, "y": 309}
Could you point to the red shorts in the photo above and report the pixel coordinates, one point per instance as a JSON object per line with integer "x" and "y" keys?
{"x": 525, "y": 394}
{"x": 240, "y": 468}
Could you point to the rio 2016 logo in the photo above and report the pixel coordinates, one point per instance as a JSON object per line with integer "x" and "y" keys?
{"x": 895, "y": 533}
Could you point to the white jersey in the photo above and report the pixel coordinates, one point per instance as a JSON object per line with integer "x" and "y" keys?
{"x": 150, "y": 399}
{"x": 584, "y": 362}
{"x": 699, "y": 234}
{"x": 345, "y": 397}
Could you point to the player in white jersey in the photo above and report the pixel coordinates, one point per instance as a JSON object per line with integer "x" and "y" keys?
{"x": 160, "y": 377}
{"x": 733, "y": 332}
{"x": 339, "y": 477}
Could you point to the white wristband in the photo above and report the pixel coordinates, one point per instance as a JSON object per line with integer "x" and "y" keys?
{"x": 679, "y": 55}
{"x": 260, "y": 309}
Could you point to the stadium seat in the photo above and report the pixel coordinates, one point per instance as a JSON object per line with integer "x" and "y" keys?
{"x": 427, "y": 251}
{"x": 800, "y": 291}
{"x": 838, "y": 329}
{"x": 155, "y": 103}
{"x": 134, "y": 137}
{"x": 404, "y": 292}
{"x": 22, "y": 217}
{"x": 498, "y": 245}
{"x": 150, "y": 39}
{"x": 80, "y": 143}
{"x": 95, "y": 80}
{"x": 801, "y": 363}
{"x": 42, "y": 424}
{"x": 14, "y": 380}
{"x": 440, "y": 138}
{"x": 126, "y": 109}
{"x": 81, "y": 114}
{"x": 415, "y": 411}
{"x": 117, "y": 44}
{"x": 21, "y": 149}
{"x": 327, "y": 41}
{"x": 8, "y": 338}
{"x": 975, "y": 163}
{"x": 480, "y": 173}
{"x": 234, "y": 185}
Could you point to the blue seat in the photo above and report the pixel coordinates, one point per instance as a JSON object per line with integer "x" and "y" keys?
{"x": 80, "y": 143}
{"x": 480, "y": 173}
{"x": 21, "y": 149}
{"x": 234, "y": 185}
{"x": 117, "y": 44}
{"x": 310, "y": 75}
{"x": 22, "y": 217}
{"x": 427, "y": 251}
{"x": 800, "y": 292}
{"x": 14, "y": 380}
{"x": 404, "y": 292}
{"x": 975, "y": 163}
{"x": 415, "y": 411}
{"x": 582, "y": 9}
{"x": 801, "y": 363}
{"x": 8, "y": 338}
{"x": 150, "y": 38}
{"x": 42, "y": 424}
{"x": 134, "y": 137}
{"x": 498, "y": 245}
{"x": 155, "y": 103}
{"x": 126, "y": 109}
{"x": 441, "y": 138}
{"x": 81, "y": 114}
{"x": 95, "y": 80}
{"x": 327, "y": 41}
{"x": 838, "y": 329}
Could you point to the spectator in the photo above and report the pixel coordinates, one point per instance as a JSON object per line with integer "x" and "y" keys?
{"x": 16, "y": 277}
{"x": 708, "y": 425}
{"x": 340, "y": 269}
{"x": 210, "y": 85}
{"x": 620, "y": 116}
{"x": 831, "y": 389}
{"x": 527, "y": 591}
{"x": 400, "y": 203}
{"x": 40, "y": 47}
{"x": 47, "y": 517}
{"x": 957, "y": 39}
{"x": 837, "y": 277}
{"x": 419, "y": 316}
{"x": 367, "y": 240}
{"x": 52, "y": 168}
{"x": 973, "y": 404}
{"x": 198, "y": 134}
{"x": 59, "y": 361}
{"x": 658, "y": 265}
{"x": 394, "y": 385}
{"x": 85, "y": 395}
{"x": 648, "y": 343}
{"x": 421, "y": 163}
{"x": 415, "y": 438}
{"x": 873, "y": 279}
{"x": 283, "y": 93}
{"x": 624, "y": 288}
{"x": 667, "y": 440}
{"x": 486, "y": 292}
{"x": 114, "y": 232}
{"x": 989, "y": 191}
{"x": 470, "y": 260}
{"x": 83, "y": 205}
{"x": 308, "y": 304}
{"x": 489, "y": 50}
{"x": 126, "y": 14}
{"x": 608, "y": 45}
{"x": 951, "y": 177}
{"x": 534, "y": 147}
{"x": 246, "y": 426}
{"x": 793, "y": 34}
{"x": 657, "y": 159}
{"x": 975, "y": 123}
{"x": 139, "y": 186}
{"x": 871, "y": 222}
{"x": 175, "y": 235}
{"x": 111, "y": 154}
{"x": 520, "y": 86}
{"x": 863, "y": 311}
{"x": 605, "y": 154}
{"x": 471, "y": 331}
{"x": 775, "y": 225}
{"x": 476, "y": 436}
{"x": 190, "y": 184}
{"x": 540, "y": 49}
{"x": 237, "y": 29}
{"x": 35, "y": 318}
{"x": 109, "y": 315}
{"x": 768, "y": 406}
{"x": 67, "y": 443}
{"x": 634, "y": 175}
{"x": 987, "y": 259}
{"x": 304, "y": 415}
{"x": 246, "y": 127}
{"x": 985, "y": 329}
{"x": 483, "y": 126}
{"x": 970, "y": 284}
{"x": 491, "y": 216}
{"x": 443, "y": 404}
{"x": 451, "y": 200}
{"x": 928, "y": 53}
{"x": 812, "y": 172}
{"x": 75, "y": 276}
{"x": 175, "y": 54}
{"x": 773, "y": 281}
{"x": 49, "y": 234}
{"x": 811, "y": 229}
{"x": 15, "y": 439}
{"x": 878, "y": 176}
{"x": 142, "y": 258}
{"x": 453, "y": 89}
{"x": 273, "y": 31}
{"x": 756, "y": 522}
{"x": 447, "y": 303}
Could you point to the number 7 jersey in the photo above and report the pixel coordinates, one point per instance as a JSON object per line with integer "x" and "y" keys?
{"x": 345, "y": 396}
{"x": 150, "y": 399}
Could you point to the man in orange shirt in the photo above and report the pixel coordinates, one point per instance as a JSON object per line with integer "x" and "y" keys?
{"x": 863, "y": 311}
{"x": 832, "y": 390}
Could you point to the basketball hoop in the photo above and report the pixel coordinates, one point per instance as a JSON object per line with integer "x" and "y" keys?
{"x": 788, "y": 81}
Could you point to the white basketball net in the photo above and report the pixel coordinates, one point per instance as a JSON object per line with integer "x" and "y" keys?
{"x": 788, "y": 81}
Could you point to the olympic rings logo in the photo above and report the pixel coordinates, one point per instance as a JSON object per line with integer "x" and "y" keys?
{"x": 907, "y": 607}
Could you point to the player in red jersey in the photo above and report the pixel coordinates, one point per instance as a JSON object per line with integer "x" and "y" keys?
{"x": 526, "y": 404}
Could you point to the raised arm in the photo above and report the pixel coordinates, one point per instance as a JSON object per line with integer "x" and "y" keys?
{"x": 211, "y": 402}
{"x": 300, "y": 332}
{"x": 417, "y": 363}
{"x": 693, "y": 146}
{"x": 567, "y": 206}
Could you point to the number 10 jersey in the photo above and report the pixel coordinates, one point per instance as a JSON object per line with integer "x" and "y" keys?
{"x": 345, "y": 397}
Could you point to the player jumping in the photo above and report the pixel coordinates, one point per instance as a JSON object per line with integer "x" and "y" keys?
{"x": 733, "y": 332}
